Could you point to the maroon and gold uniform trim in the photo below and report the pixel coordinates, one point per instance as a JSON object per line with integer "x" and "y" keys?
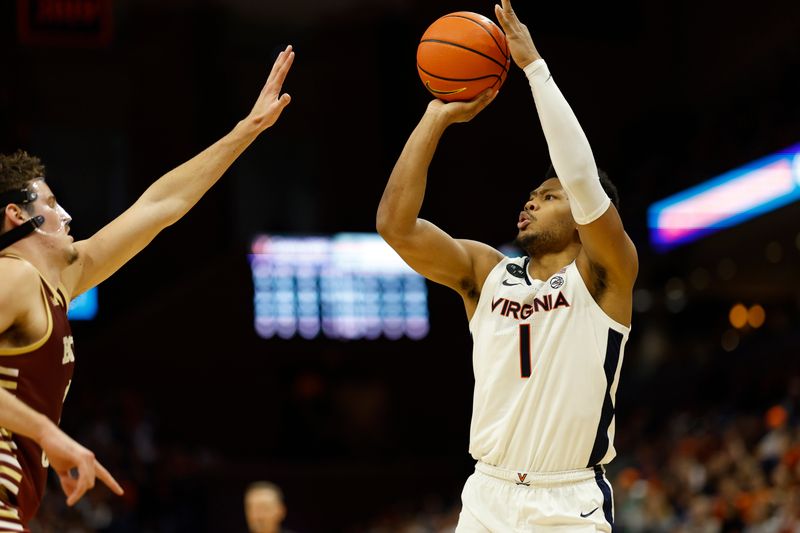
{"x": 38, "y": 344}
{"x": 39, "y": 374}
{"x": 10, "y": 519}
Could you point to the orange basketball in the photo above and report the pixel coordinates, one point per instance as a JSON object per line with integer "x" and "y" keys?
{"x": 462, "y": 54}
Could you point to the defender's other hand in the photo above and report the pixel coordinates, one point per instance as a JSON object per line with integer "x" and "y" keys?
{"x": 76, "y": 466}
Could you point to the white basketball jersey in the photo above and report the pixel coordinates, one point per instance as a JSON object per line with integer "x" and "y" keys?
{"x": 546, "y": 360}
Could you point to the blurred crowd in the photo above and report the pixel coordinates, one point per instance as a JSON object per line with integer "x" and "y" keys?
{"x": 162, "y": 492}
{"x": 713, "y": 472}
{"x": 708, "y": 441}
{"x": 701, "y": 472}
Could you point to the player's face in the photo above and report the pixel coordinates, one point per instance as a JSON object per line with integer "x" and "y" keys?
{"x": 55, "y": 229}
{"x": 264, "y": 511}
{"x": 546, "y": 211}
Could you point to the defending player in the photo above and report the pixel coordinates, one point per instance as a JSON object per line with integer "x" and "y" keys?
{"x": 549, "y": 329}
{"x": 42, "y": 269}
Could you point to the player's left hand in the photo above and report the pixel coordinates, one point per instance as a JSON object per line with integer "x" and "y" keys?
{"x": 520, "y": 42}
{"x": 271, "y": 102}
{"x": 453, "y": 112}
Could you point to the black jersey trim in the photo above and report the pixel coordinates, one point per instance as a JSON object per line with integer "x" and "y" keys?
{"x": 613, "y": 348}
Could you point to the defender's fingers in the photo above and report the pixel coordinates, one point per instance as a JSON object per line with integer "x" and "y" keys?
{"x": 106, "y": 477}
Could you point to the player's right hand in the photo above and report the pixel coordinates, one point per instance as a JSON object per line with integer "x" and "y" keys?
{"x": 452, "y": 112}
{"x": 76, "y": 466}
{"x": 520, "y": 43}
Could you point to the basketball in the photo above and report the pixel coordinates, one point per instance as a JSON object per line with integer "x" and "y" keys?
{"x": 462, "y": 54}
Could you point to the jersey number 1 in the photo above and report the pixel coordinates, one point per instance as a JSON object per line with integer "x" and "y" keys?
{"x": 525, "y": 350}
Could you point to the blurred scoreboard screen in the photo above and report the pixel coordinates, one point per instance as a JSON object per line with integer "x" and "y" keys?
{"x": 344, "y": 286}
{"x": 84, "y": 307}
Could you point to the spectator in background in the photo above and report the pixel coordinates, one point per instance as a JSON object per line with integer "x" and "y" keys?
{"x": 264, "y": 508}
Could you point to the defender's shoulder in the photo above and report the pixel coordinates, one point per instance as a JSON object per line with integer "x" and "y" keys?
{"x": 18, "y": 277}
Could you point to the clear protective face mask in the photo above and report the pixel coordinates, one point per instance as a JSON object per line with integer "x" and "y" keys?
{"x": 54, "y": 223}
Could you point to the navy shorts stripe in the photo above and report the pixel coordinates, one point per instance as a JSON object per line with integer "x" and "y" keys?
{"x": 608, "y": 502}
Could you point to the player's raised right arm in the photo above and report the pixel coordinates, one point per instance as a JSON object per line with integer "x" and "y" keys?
{"x": 459, "y": 264}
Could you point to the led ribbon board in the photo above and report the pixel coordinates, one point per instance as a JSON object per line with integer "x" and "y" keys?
{"x": 345, "y": 286}
{"x": 727, "y": 200}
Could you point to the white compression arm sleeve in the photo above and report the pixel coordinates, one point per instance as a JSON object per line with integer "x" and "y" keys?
{"x": 570, "y": 152}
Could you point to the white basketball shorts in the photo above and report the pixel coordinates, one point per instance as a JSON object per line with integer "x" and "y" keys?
{"x": 502, "y": 501}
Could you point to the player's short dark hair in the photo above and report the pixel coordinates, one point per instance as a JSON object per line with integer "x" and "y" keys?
{"x": 17, "y": 170}
{"x": 605, "y": 182}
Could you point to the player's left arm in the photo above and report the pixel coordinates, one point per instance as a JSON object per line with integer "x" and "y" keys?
{"x": 174, "y": 194}
{"x": 608, "y": 256}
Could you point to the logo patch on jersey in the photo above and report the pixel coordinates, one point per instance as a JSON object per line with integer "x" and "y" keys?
{"x": 507, "y": 284}
{"x": 69, "y": 354}
{"x": 522, "y": 477}
{"x": 556, "y": 282}
{"x": 584, "y": 515}
{"x": 515, "y": 270}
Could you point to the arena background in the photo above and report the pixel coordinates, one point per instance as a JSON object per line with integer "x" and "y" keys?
{"x": 186, "y": 404}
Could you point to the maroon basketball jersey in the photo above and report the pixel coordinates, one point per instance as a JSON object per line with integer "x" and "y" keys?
{"x": 38, "y": 374}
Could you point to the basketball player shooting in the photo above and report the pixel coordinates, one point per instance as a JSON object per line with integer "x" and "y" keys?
{"x": 549, "y": 329}
{"x": 42, "y": 269}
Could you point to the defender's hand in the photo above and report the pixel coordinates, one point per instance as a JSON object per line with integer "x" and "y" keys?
{"x": 271, "y": 102}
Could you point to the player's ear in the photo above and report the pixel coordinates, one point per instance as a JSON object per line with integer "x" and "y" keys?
{"x": 13, "y": 216}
